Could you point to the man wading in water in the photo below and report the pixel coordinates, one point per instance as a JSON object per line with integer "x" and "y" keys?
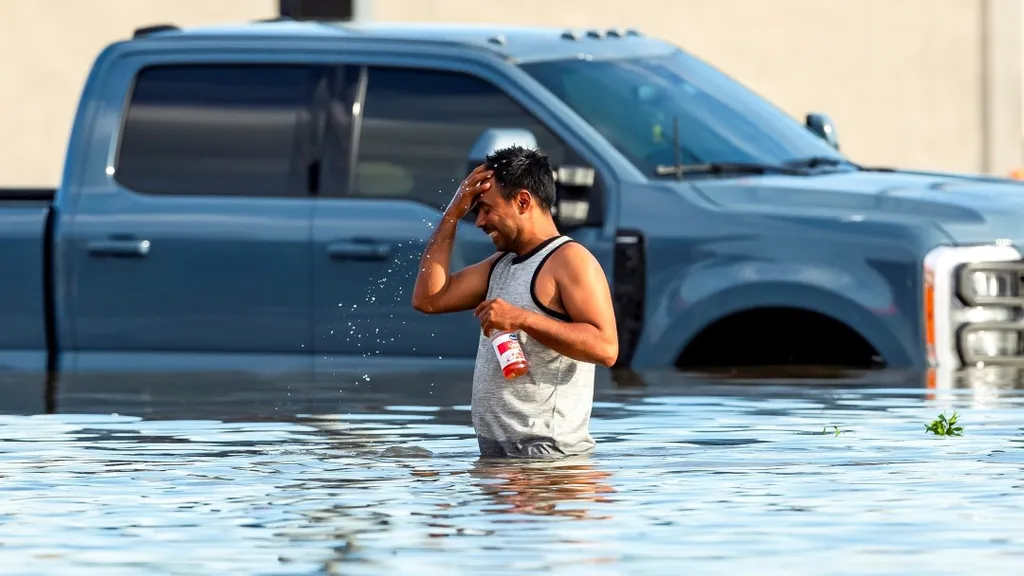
{"x": 540, "y": 285}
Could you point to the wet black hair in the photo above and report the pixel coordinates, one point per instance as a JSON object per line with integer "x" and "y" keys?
{"x": 517, "y": 168}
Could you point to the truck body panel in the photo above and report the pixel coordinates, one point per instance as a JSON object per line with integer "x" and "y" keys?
{"x": 213, "y": 261}
{"x": 368, "y": 237}
{"x": 23, "y": 289}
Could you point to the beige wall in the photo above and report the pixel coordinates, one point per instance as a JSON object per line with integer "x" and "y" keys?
{"x": 46, "y": 50}
{"x": 911, "y": 83}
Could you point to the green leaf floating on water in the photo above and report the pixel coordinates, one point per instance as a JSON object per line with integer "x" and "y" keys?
{"x": 837, "y": 430}
{"x": 942, "y": 426}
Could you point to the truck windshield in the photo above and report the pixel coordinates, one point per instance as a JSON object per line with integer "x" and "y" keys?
{"x": 633, "y": 103}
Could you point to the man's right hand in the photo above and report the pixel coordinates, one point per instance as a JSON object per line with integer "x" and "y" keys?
{"x": 437, "y": 290}
{"x": 474, "y": 185}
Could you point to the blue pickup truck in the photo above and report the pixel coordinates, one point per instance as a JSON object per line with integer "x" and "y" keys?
{"x": 257, "y": 197}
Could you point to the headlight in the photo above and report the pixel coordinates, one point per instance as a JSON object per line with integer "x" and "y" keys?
{"x": 989, "y": 283}
{"x": 971, "y": 302}
{"x": 981, "y": 342}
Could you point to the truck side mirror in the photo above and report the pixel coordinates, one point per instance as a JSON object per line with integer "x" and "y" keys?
{"x": 496, "y": 138}
{"x": 822, "y": 126}
{"x": 574, "y": 184}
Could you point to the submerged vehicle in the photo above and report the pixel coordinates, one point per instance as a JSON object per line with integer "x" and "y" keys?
{"x": 257, "y": 197}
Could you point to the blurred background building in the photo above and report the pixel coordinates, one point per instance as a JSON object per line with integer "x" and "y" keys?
{"x": 933, "y": 84}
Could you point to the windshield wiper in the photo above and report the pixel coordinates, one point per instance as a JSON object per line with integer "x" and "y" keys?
{"x": 726, "y": 168}
{"x": 815, "y": 161}
{"x": 678, "y": 169}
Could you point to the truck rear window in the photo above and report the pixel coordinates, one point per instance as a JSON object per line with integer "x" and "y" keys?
{"x": 220, "y": 129}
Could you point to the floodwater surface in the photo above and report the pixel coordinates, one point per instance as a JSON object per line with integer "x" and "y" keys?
{"x": 216, "y": 475}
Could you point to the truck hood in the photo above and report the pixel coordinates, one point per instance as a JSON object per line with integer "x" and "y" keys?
{"x": 970, "y": 209}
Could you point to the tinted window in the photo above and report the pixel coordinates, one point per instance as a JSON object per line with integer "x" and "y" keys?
{"x": 633, "y": 103}
{"x": 217, "y": 130}
{"x": 419, "y": 127}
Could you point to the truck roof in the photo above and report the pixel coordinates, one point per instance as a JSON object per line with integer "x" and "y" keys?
{"x": 518, "y": 43}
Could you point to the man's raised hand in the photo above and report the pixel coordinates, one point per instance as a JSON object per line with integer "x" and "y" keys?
{"x": 474, "y": 185}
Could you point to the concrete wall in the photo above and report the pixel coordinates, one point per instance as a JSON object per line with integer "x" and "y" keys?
{"x": 911, "y": 83}
{"x": 46, "y": 50}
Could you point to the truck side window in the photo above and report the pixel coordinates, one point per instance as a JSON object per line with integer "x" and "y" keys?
{"x": 216, "y": 130}
{"x": 419, "y": 126}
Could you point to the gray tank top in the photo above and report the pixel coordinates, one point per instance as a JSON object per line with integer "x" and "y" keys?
{"x": 545, "y": 412}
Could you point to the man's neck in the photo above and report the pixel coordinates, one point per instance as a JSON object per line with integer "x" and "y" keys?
{"x": 534, "y": 238}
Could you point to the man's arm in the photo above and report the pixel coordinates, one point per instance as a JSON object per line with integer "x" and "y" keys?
{"x": 592, "y": 336}
{"x": 437, "y": 290}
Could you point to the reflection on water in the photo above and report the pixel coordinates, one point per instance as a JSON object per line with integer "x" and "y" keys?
{"x": 983, "y": 386}
{"x": 542, "y": 488}
{"x": 721, "y": 473}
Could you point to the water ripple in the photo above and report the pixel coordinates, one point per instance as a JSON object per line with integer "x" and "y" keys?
{"x": 713, "y": 478}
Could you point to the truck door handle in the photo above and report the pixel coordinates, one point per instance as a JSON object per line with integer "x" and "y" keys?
{"x": 119, "y": 248}
{"x": 358, "y": 250}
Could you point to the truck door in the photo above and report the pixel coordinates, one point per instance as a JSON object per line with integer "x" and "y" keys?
{"x": 382, "y": 195}
{"x": 190, "y": 239}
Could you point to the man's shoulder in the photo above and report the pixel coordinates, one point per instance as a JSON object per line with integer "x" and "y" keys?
{"x": 572, "y": 255}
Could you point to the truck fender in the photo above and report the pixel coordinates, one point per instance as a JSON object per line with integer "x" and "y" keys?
{"x": 675, "y": 323}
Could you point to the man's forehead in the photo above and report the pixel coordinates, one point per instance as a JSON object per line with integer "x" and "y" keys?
{"x": 491, "y": 195}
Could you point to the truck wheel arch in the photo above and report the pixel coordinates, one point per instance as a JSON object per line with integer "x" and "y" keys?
{"x": 779, "y": 307}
